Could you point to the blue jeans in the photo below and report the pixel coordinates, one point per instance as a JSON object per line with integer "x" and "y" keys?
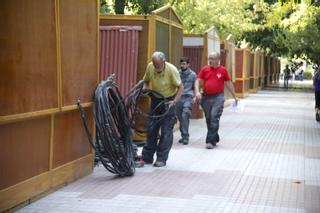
{"x": 161, "y": 145}
{"x": 184, "y": 109}
{"x": 212, "y": 106}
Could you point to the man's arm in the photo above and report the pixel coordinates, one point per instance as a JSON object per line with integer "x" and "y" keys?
{"x": 178, "y": 95}
{"x": 146, "y": 78}
{"x": 194, "y": 90}
{"x": 198, "y": 83}
{"x": 230, "y": 87}
{"x": 146, "y": 85}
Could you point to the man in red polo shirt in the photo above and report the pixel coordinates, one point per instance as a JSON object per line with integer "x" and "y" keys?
{"x": 212, "y": 78}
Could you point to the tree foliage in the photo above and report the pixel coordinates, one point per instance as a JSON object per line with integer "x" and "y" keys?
{"x": 227, "y": 16}
{"x": 279, "y": 27}
{"x": 146, "y": 6}
{"x": 119, "y": 6}
{"x": 289, "y": 29}
{"x": 131, "y": 6}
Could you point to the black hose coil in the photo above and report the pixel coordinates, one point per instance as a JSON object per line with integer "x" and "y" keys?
{"x": 114, "y": 120}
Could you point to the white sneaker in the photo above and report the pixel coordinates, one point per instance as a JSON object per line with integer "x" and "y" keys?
{"x": 209, "y": 146}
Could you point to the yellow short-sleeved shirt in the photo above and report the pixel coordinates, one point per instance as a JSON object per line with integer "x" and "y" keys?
{"x": 166, "y": 82}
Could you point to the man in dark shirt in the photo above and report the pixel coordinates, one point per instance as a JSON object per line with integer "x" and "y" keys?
{"x": 316, "y": 84}
{"x": 286, "y": 73}
{"x": 184, "y": 105}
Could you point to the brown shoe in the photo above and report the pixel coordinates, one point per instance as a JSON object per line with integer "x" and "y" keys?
{"x": 143, "y": 162}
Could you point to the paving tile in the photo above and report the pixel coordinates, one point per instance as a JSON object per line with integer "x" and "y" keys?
{"x": 268, "y": 160}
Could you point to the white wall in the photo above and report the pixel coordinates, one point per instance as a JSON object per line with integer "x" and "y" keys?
{"x": 192, "y": 41}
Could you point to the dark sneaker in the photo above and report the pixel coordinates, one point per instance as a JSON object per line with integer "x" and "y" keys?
{"x": 185, "y": 141}
{"x": 139, "y": 164}
{"x": 317, "y": 116}
{"x": 180, "y": 140}
{"x": 159, "y": 164}
{"x": 217, "y": 139}
{"x": 145, "y": 162}
{"x": 210, "y": 145}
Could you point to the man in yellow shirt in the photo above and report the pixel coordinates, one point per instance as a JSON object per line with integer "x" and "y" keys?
{"x": 164, "y": 78}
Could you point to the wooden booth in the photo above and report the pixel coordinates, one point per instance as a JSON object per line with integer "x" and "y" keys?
{"x": 261, "y": 72}
{"x": 127, "y": 43}
{"x": 228, "y": 59}
{"x": 243, "y": 63}
{"x": 49, "y": 60}
{"x": 276, "y": 69}
{"x": 272, "y": 69}
{"x": 267, "y": 69}
{"x": 272, "y": 73}
{"x": 197, "y": 48}
{"x": 257, "y": 67}
{"x": 254, "y": 71}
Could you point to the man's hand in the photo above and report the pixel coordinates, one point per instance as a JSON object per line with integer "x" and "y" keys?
{"x": 198, "y": 96}
{"x": 171, "y": 103}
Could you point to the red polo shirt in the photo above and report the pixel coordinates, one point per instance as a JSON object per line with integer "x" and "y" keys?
{"x": 214, "y": 79}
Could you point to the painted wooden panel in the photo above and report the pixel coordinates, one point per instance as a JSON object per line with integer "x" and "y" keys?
{"x": 238, "y": 86}
{"x": 78, "y": 50}
{"x": 24, "y": 150}
{"x": 70, "y": 140}
{"x": 165, "y": 14}
{"x": 47, "y": 47}
{"x": 195, "y": 54}
{"x": 239, "y": 63}
{"x": 28, "y": 79}
{"x": 162, "y": 38}
{"x": 213, "y": 40}
{"x": 176, "y": 45}
{"x": 223, "y": 55}
{"x": 251, "y": 83}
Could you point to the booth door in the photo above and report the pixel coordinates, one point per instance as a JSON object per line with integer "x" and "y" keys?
{"x": 194, "y": 53}
{"x": 119, "y": 55}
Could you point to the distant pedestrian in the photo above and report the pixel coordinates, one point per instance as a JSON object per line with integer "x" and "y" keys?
{"x": 316, "y": 84}
{"x": 184, "y": 105}
{"x": 162, "y": 77}
{"x": 213, "y": 77}
{"x": 286, "y": 77}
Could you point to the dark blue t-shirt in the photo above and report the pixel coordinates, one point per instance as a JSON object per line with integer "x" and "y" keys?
{"x": 316, "y": 81}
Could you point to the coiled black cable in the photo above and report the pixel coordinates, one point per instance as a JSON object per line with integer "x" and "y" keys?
{"x": 113, "y": 130}
{"x": 157, "y": 113}
{"x": 114, "y": 119}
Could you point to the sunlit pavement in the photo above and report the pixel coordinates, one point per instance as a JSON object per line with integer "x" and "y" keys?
{"x": 268, "y": 160}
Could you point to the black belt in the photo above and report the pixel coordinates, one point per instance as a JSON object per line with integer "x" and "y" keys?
{"x": 211, "y": 95}
{"x": 167, "y": 99}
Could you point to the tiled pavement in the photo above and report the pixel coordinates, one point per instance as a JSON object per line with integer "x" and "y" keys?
{"x": 268, "y": 160}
